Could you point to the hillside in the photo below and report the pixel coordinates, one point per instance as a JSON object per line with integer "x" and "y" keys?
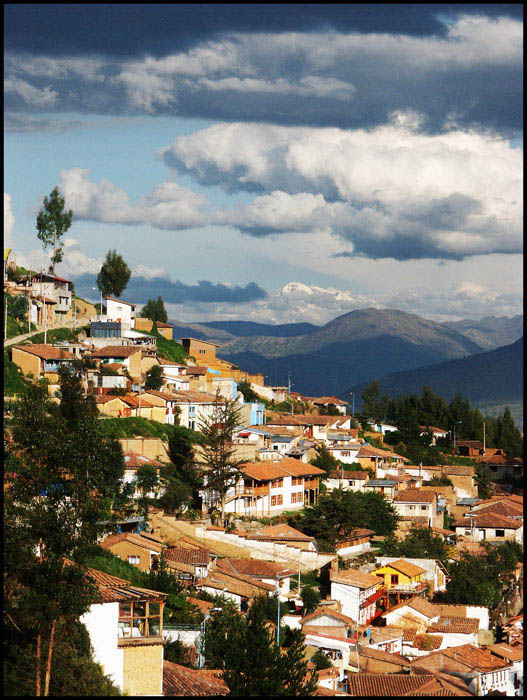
{"x": 489, "y": 380}
{"x": 490, "y": 332}
{"x": 354, "y": 347}
{"x": 243, "y": 329}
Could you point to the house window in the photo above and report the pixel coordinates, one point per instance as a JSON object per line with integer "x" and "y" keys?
{"x": 411, "y": 507}
{"x": 127, "y": 412}
{"x": 394, "y": 579}
{"x": 500, "y": 533}
{"x": 300, "y": 496}
{"x": 133, "y": 560}
{"x": 139, "y": 619}
{"x": 424, "y": 507}
{"x": 273, "y": 500}
{"x": 293, "y": 498}
{"x": 279, "y": 500}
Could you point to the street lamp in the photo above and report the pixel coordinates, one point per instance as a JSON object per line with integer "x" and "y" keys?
{"x": 100, "y": 311}
{"x": 352, "y": 404}
{"x": 201, "y": 661}
{"x": 455, "y": 423}
{"x": 277, "y": 584}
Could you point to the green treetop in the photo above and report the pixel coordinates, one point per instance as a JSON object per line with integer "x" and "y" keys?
{"x": 114, "y": 275}
{"x": 52, "y": 224}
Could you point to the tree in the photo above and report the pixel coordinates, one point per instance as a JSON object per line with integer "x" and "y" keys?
{"x": 218, "y": 452}
{"x": 114, "y": 275}
{"x": 249, "y": 394}
{"x": 484, "y": 480}
{"x": 154, "y": 378}
{"x": 324, "y": 460}
{"x": 310, "y": 598}
{"x": 339, "y": 512}
{"x": 155, "y": 310}
{"x": 17, "y": 306}
{"x": 67, "y": 477}
{"x": 370, "y": 396}
{"x": 252, "y": 663}
{"x": 147, "y": 482}
{"x": 52, "y": 223}
{"x": 419, "y": 543}
{"x": 321, "y": 661}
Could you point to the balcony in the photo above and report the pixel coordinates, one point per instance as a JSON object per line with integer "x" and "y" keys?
{"x": 412, "y": 588}
{"x": 373, "y": 597}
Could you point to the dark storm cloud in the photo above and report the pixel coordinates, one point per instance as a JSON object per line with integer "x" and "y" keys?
{"x": 135, "y": 29}
{"x": 140, "y": 290}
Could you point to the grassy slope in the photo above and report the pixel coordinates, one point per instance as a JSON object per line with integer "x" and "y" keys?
{"x": 14, "y": 380}
{"x": 168, "y": 349}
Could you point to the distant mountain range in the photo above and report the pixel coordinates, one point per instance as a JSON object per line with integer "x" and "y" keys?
{"x": 490, "y": 332}
{"x": 490, "y": 380}
{"x": 351, "y": 349}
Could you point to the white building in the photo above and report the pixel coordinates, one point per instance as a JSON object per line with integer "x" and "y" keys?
{"x": 125, "y": 632}
{"x": 120, "y": 311}
{"x": 435, "y": 572}
{"x": 357, "y": 593}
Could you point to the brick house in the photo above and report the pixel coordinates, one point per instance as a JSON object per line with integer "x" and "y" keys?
{"x": 41, "y": 360}
{"x": 139, "y": 549}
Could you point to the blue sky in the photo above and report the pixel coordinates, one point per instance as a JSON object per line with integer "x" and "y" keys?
{"x": 262, "y": 163}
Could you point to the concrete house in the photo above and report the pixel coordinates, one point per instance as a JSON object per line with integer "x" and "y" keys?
{"x": 434, "y": 572}
{"x": 56, "y": 288}
{"x": 416, "y": 502}
{"x": 401, "y": 577}
{"x": 489, "y": 526}
{"x": 347, "y": 480}
{"x": 139, "y": 549}
{"x": 121, "y": 312}
{"x": 357, "y": 592}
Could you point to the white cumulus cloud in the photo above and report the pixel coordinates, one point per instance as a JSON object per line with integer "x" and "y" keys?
{"x": 9, "y": 220}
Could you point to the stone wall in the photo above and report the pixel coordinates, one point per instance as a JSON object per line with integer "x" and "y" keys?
{"x": 143, "y": 670}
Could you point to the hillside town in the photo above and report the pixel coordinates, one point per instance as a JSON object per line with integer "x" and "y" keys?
{"x": 243, "y": 513}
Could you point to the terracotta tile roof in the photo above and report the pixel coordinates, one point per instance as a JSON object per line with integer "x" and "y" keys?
{"x": 184, "y": 396}
{"x": 184, "y": 681}
{"x": 275, "y": 418}
{"x": 406, "y": 567}
{"x": 409, "y": 634}
{"x": 295, "y": 467}
{"x": 203, "y": 606}
{"x": 419, "y": 604}
{"x": 354, "y": 577}
{"x": 197, "y": 371}
{"x": 506, "y": 508}
{"x": 187, "y": 556}
{"x": 46, "y": 352}
{"x": 395, "y": 685}
{"x": 490, "y": 520}
{"x": 113, "y": 589}
{"x": 415, "y": 496}
{"x": 479, "y": 659}
{"x": 116, "y": 351}
{"x": 455, "y": 625}
{"x": 151, "y": 544}
{"x": 370, "y": 451}
{"x": 328, "y": 400}
{"x": 320, "y": 612}
{"x": 263, "y": 471}
{"x": 234, "y": 583}
{"x": 171, "y": 363}
{"x": 132, "y": 460}
{"x": 282, "y": 532}
{"x": 458, "y": 470}
{"x": 381, "y": 655}
{"x": 133, "y": 402}
{"x": 506, "y": 651}
{"x": 254, "y": 567}
{"x": 162, "y": 324}
{"x": 165, "y": 395}
{"x": 415, "y": 519}
{"x": 356, "y": 475}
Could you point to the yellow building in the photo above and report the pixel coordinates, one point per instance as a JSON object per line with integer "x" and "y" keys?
{"x": 146, "y": 324}
{"x": 40, "y": 360}
{"x": 204, "y": 353}
{"x": 401, "y": 577}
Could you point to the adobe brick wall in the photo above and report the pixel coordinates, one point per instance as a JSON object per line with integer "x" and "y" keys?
{"x": 125, "y": 549}
{"x": 29, "y": 364}
{"x": 143, "y": 670}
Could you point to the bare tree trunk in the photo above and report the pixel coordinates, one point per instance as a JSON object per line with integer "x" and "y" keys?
{"x": 223, "y": 510}
{"x": 50, "y": 655}
{"x": 39, "y": 652}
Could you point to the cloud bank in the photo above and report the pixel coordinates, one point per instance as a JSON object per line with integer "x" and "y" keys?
{"x": 347, "y": 77}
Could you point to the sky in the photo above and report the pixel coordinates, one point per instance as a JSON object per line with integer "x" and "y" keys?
{"x": 273, "y": 163}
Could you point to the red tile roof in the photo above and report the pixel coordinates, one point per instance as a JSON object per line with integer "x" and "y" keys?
{"x": 395, "y": 685}
{"x": 506, "y": 651}
{"x": 183, "y": 681}
{"x": 415, "y": 496}
{"x": 185, "y": 555}
{"x": 134, "y": 460}
{"x": 282, "y": 532}
{"x": 150, "y": 543}
{"x": 354, "y": 577}
{"x": 469, "y": 655}
{"x": 490, "y": 520}
{"x": 319, "y": 612}
{"x": 113, "y": 589}
{"x": 369, "y": 451}
{"x": 46, "y": 352}
{"x": 254, "y": 567}
{"x": 419, "y": 604}
{"x": 455, "y": 625}
{"x": 405, "y": 567}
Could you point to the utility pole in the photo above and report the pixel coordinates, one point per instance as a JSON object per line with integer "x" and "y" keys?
{"x": 5, "y": 319}
{"x": 483, "y": 438}
{"x": 352, "y": 404}
{"x": 455, "y": 423}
